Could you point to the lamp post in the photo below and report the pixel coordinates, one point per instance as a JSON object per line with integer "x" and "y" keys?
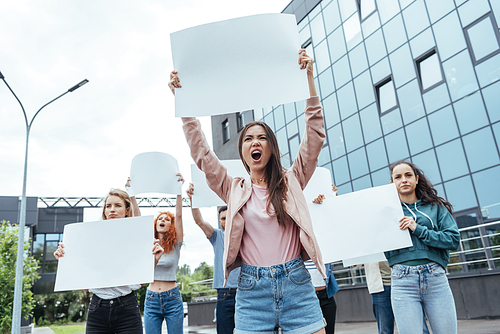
{"x": 18, "y": 287}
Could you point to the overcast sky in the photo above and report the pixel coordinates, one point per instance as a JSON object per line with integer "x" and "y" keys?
{"x": 83, "y": 143}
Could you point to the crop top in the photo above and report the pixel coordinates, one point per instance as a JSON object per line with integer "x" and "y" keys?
{"x": 166, "y": 269}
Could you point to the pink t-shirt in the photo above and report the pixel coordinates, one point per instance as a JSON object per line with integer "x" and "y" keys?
{"x": 265, "y": 242}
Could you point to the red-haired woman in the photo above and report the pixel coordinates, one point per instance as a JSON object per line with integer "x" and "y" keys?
{"x": 115, "y": 309}
{"x": 163, "y": 298}
{"x": 268, "y": 226}
{"x": 418, "y": 277}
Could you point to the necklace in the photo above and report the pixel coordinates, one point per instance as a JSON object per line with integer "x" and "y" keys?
{"x": 255, "y": 180}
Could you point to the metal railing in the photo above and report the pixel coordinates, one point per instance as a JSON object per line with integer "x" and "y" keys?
{"x": 479, "y": 250}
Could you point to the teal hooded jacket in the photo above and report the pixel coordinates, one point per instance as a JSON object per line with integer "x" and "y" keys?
{"x": 435, "y": 235}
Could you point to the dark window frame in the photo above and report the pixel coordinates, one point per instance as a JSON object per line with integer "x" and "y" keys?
{"x": 358, "y": 5}
{"x": 468, "y": 42}
{"x": 416, "y": 63}
{"x": 225, "y": 126}
{"x": 306, "y": 43}
{"x": 377, "y": 86}
{"x": 240, "y": 119}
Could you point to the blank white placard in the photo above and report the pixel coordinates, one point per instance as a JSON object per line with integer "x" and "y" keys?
{"x": 238, "y": 64}
{"x": 319, "y": 184}
{"x": 106, "y": 253}
{"x": 155, "y": 172}
{"x": 359, "y": 223}
{"x": 378, "y": 257}
{"x": 203, "y": 195}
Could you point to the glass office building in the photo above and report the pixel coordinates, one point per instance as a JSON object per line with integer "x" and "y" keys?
{"x": 416, "y": 80}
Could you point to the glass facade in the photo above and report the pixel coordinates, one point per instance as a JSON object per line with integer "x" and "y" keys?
{"x": 405, "y": 79}
{"x": 44, "y": 246}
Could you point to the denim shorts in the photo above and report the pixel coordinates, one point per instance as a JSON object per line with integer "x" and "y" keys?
{"x": 280, "y": 296}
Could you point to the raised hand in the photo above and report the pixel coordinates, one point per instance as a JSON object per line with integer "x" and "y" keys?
{"x": 59, "y": 251}
{"x": 174, "y": 82}
{"x": 319, "y": 199}
{"x": 190, "y": 191}
{"x": 305, "y": 62}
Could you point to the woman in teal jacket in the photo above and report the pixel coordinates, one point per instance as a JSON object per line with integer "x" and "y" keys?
{"x": 418, "y": 278}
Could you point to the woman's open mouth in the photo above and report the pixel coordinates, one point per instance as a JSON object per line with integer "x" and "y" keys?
{"x": 256, "y": 155}
{"x": 162, "y": 224}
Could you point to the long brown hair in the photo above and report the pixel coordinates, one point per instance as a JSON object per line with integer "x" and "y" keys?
{"x": 170, "y": 237}
{"x": 124, "y": 197}
{"x": 274, "y": 173}
{"x": 424, "y": 189}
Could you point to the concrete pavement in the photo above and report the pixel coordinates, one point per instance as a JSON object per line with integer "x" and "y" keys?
{"x": 482, "y": 326}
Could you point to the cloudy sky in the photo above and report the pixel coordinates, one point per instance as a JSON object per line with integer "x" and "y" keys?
{"x": 83, "y": 143}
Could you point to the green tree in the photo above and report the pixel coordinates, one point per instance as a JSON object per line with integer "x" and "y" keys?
{"x": 68, "y": 306}
{"x": 8, "y": 249}
{"x": 203, "y": 271}
{"x": 184, "y": 270}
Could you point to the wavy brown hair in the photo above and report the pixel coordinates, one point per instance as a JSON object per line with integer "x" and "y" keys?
{"x": 170, "y": 238}
{"x": 424, "y": 189}
{"x": 124, "y": 197}
{"x": 274, "y": 174}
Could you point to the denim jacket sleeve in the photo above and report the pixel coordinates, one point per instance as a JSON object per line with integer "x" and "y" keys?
{"x": 310, "y": 147}
{"x": 205, "y": 158}
{"x": 447, "y": 235}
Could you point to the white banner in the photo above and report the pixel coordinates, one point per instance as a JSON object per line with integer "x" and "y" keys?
{"x": 361, "y": 223}
{"x": 203, "y": 195}
{"x": 106, "y": 253}
{"x": 238, "y": 64}
{"x": 155, "y": 172}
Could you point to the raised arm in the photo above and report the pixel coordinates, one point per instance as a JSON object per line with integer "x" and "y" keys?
{"x": 135, "y": 207}
{"x": 314, "y": 135}
{"x": 306, "y": 63}
{"x": 178, "y": 213}
{"x": 203, "y": 156}
{"x": 198, "y": 219}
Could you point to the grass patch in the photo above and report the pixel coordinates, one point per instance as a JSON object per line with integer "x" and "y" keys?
{"x": 68, "y": 329}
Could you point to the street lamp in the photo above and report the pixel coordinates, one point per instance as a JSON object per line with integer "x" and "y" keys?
{"x": 18, "y": 287}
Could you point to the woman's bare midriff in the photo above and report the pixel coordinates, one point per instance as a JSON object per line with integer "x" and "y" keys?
{"x": 161, "y": 286}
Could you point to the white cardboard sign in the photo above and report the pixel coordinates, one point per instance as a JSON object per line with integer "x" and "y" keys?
{"x": 237, "y": 65}
{"x": 155, "y": 172}
{"x": 372, "y": 258}
{"x": 203, "y": 195}
{"x": 106, "y": 253}
{"x": 361, "y": 223}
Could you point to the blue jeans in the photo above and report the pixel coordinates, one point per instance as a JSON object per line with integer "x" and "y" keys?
{"x": 163, "y": 305}
{"x": 226, "y": 299}
{"x": 418, "y": 288}
{"x": 279, "y": 296}
{"x": 382, "y": 310}
{"x": 117, "y": 315}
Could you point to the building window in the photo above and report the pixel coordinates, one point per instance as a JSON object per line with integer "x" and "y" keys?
{"x": 44, "y": 247}
{"x": 482, "y": 38}
{"x": 386, "y": 95}
{"x": 243, "y": 118}
{"x": 225, "y": 131}
{"x": 365, "y": 8}
{"x": 430, "y": 72}
{"x": 306, "y": 43}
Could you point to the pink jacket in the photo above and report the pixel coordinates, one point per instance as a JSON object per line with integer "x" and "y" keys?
{"x": 236, "y": 191}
